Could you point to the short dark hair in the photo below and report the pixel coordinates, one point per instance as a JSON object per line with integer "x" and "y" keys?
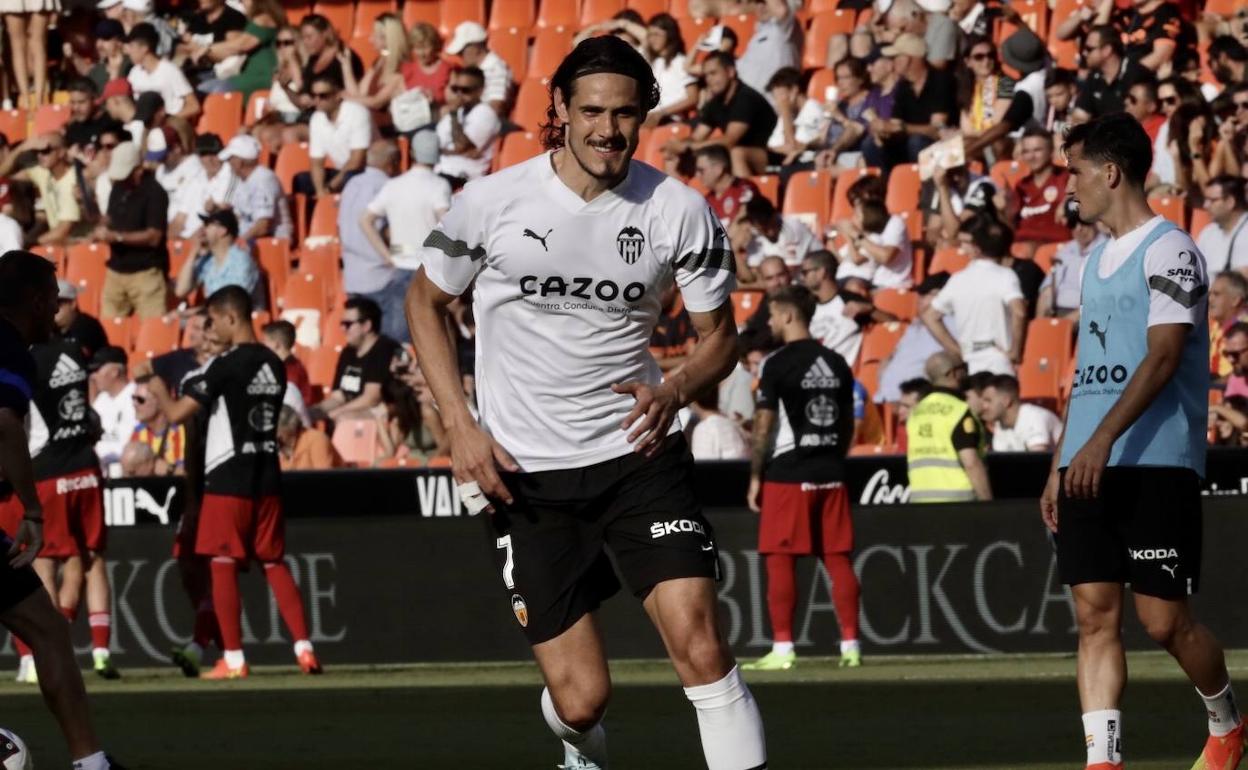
{"x": 282, "y": 331}
{"x": 327, "y": 77}
{"x": 824, "y": 259}
{"x": 671, "y": 28}
{"x": 1237, "y": 281}
{"x": 1148, "y": 81}
{"x": 723, "y": 58}
{"x": 316, "y": 21}
{"x": 867, "y": 186}
{"x": 978, "y": 381}
{"x": 1006, "y": 383}
{"x": 1060, "y": 76}
{"x": 82, "y": 85}
{"x": 1034, "y": 130}
{"x": 857, "y": 68}
{"x": 874, "y": 215}
{"x": 708, "y": 397}
{"x": 1115, "y": 138}
{"x": 797, "y": 297}
{"x": 232, "y": 299}
{"x": 990, "y": 235}
{"x": 596, "y": 55}
{"x": 917, "y": 385}
{"x": 717, "y": 153}
{"x": 1109, "y": 36}
{"x": 1232, "y": 187}
{"x": 785, "y": 77}
{"x": 368, "y": 309}
{"x": 759, "y": 209}
{"x": 1227, "y": 45}
{"x": 22, "y": 273}
{"x": 146, "y": 34}
{"x": 473, "y": 72}
{"x": 1240, "y": 328}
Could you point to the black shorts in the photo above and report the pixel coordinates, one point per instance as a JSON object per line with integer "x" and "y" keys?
{"x": 1143, "y": 529}
{"x": 549, "y": 545}
{"x": 15, "y": 584}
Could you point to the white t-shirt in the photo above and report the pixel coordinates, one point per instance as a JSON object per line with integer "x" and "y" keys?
{"x": 718, "y": 438}
{"x": 566, "y": 298}
{"x": 1176, "y": 264}
{"x": 187, "y": 185}
{"x": 497, "y": 78}
{"x": 351, "y": 130}
{"x": 1223, "y": 250}
{"x": 412, "y": 203}
{"x": 978, "y": 297}
{"x": 673, "y": 79}
{"x": 792, "y": 245}
{"x": 117, "y": 421}
{"x": 1036, "y": 430}
{"x": 223, "y": 185}
{"x": 836, "y": 330}
{"x": 898, "y": 272}
{"x": 809, "y": 124}
{"x": 166, "y": 80}
{"x": 10, "y": 234}
{"x": 481, "y": 125}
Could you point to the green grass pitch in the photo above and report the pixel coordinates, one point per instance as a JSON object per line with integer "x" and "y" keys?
{"x": 946, "y": 713}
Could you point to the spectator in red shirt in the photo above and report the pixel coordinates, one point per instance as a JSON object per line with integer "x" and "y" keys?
{"x": 1142, "y": 104}
{"x": 279, "y": 336}
{"x": 1036, "y": 203}
{"x": 725, "y": 193}
{"x": 426, "y": 69}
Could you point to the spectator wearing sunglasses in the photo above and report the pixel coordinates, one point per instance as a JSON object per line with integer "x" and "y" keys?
{"x": 1228, "y": 306}
{"x": 166, "y": 441}
{"x": 1105, "y": 90}
{"x": 1141, "y": 103}
{"x": 1224, "y": 242}
{"x": 468, "y": 131}
{"x": 364, "y": 364}
{"x": 1235, "y": 348}
{"x": 341, "y": 131}
{"x": 53, "y": 176}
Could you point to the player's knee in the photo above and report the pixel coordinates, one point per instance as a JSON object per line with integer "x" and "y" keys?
{"x": 1097, "y": 622}
{"x": 1164, "y": 628}
{"x": 582, "y": 706}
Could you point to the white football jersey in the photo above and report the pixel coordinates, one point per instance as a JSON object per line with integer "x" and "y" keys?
{"x": 567, "y": 296}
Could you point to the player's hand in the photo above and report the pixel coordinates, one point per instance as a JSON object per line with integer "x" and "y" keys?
{"x": 656, "y": 408}
{"x": 476, "y": 456}
{"x": 1048, "y": 501}
{"x": 754, "y": 496}
{"x": 1083, "y": 475}
{"x": 29, "y": 536}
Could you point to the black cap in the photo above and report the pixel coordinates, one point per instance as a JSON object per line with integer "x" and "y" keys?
{"x": 145, "y": 106}
{"x": 223, "y": 217}
{"x": 109, "y": 29}
{"x": 109, "y": 354}
{"x": 208, "y": 144}
{"x": 934, "y": 282}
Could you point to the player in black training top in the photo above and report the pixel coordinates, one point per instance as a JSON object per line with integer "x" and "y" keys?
{"x": 797, "y": 480}
{"x": 240, "y": 515}
{"x": 27, "y": 308}
{"x": 67, "y": 480}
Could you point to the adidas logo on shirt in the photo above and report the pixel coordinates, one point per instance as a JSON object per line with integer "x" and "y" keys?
{"x": 264, "y": 383}
{"x": 66, "y": 372}
{"x": 819, "y": 376}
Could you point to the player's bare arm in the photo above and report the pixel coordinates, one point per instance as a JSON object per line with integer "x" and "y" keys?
{"x": 1165, "y": 349}
{"x": 764, "y": 435}
{"x": 1048, "y": 498}
{"x": 15, "y": 460}
{"x": 178, "y": 412}
{"x": 475, "y": 456}
{"x": 710, "y": 362}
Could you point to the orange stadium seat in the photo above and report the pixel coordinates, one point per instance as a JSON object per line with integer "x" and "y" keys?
{"x": 1051, "y": 338}
{"x": 54, "y": 254}
{"x": 84, "y": 268}
{"x": 257, "y": 105}
{"x": 1200, "y": 218}
{"x": 840, "y": 195}
{"x": 416, "y": 11}
{"x": 1007, "y": 173}
{"x": 179, "y": 251}
{"x": 50, "y": 118}
{"x": 745, "y": 303}
{"x": 1170, "y": 207}
{"x": 868, "y": 374}
{"x": 511, "y": 13}
{"x": 13, "y": 125}
{"x": 365, "y": 50}
{"x": 903, "y": 303}
{"x": 295, "y": 11}
{"x": 769, "y": 186}
{"x": 407, "y": 461}
{"x": 305, "y": 292}
{"x": 324, "y": 222}
{"x": 356, "y": 441}
{"x": 119, "y": 331}
{"x": 903, "y": 188}
{"x": 691, "y": 29}
{"x": 950, "y": 259}
{"x": 439, "y": 462}
{"x": 367, "y": 11}
{"x": 743, "y": 25}
{"x": 652, "y": 148}
{"x": 824, "y": 26}
{"x": 558, "y": 13}
{"x": 324, "y": 259}
{"x": 594, "y": 11}
{"x": 157, "y": 335}
{"x": 291, "y": 159}
{"x": 648, "y": 8}
{"x": 550, "y": 45}
{"x": 822, "y": 85}
{"x": 1225, "y": 8}
{"x": 1044, "y": 255}
{"x": 1039, "y": 379}
{"x": 817, "y": 7}
{"x": 532, "y": 100}
{"x": 1035, "y": 14}
{"x": 341, "y": 14}
{"x": 273, "y": 256}
{"x": 321, "y": 363}
{"x": 456, "y": 11}
{"x": 517, "y": 146}
{"x": 512, "y": 45}
{"x": 809, "y": 195}
{"x": 222, "y": 115}
{"x": 879, "y": 340}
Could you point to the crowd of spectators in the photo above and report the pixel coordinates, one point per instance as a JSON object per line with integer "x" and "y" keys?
{"x": 377, "y": 121}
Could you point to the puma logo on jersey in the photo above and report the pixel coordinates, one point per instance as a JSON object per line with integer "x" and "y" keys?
{"x": 819, "y": 376}
{"x": 66, "y": 372}
{"x": 1096, "y": 331}
{"x": 539, "y": 238}
{"x": 264, "y": 383}
{"x": 1171, "y": 570}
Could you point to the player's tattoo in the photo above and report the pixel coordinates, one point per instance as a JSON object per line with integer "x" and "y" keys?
{"x": 764, "y": 419}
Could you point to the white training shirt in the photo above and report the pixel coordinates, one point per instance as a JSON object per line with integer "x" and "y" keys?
{"x": 835, "y": 330}
{"x": 718, "y": 438}
{"x": 1172, "y": 258}
{"x": 897, "y": 273}
{"x": 351, "y": 130}
{"x": 1036, "y": 430}
{"x": 673, "y": 79}
{"x": 411, "y": 203}
{"x": 1224, "y": 250}
{"x": 166, "y": 80}
{"x": 567, "y": 296}
{"x": 792, "y": 245}
{"x": 482, "y": 126}
{"x": 978, "y": 298}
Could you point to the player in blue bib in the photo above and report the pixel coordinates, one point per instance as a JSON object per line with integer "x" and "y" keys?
{"x": 1123, "y": 498}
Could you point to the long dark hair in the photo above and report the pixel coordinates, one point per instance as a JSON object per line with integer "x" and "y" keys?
{"x": 606, "y": 53}
{"x": 675, "y": 41}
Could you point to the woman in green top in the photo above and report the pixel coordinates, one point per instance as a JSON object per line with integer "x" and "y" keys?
{"x": 255, "y": 42}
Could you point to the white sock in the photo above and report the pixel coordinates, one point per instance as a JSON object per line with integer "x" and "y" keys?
{"x": 1103, "y": 732}
{"x": 731, "y": 727}
{"x": 849, "y": 645}
{"x": 590, "y": 744}
{"x": 301, "y": 646}
{"x": 782, "y": 648}
{"x": 96, "y": 761}
{"x": 234, "y": 658}
{"x": 1223, "y": 711}
{"x": 26, "y": 660}
{"x": 99, "y": 652}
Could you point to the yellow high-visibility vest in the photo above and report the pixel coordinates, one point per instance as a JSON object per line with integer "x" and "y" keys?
{"x": 936, "y": 473}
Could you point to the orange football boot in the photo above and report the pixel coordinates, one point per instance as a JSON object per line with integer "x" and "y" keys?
{"x": 223, "y": 671}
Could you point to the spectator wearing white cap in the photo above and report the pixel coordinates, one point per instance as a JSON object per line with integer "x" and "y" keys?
{"x": 27, "y": 22}
{"x": 152, "y": 73}
{"x": 223, "y": 183}
{"x": 408, "y": 206}
{"x": 258, "y": 201}
{"x": 469, "y": 43}
{"x": 179, "y": 171}
{"x": 468, "y": 131}
{"x": 340, "y": 130}
{"x": 136, "y": 12}
{"x": 134, "y": 229}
